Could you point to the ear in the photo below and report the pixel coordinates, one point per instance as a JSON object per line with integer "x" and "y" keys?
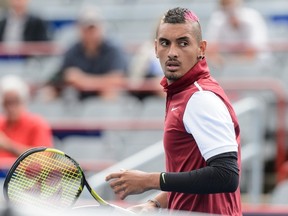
{"x": 202, "y": 47}
{"x": 155, "y": 47}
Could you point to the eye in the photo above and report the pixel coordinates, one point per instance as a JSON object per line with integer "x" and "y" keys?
{"x": 164, "y": 43}
{"x": 183, "y": 43}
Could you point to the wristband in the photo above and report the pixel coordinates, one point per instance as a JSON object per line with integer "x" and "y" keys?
{"x": 155, "y": 202}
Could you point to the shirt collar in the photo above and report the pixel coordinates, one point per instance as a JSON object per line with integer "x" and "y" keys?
{"x": 198, "y": 71}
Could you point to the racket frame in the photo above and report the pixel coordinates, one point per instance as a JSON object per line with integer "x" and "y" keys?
{"x": 44, "y": 149}
{"x": 84, "y": 182}
{"x": 14, "y": 167}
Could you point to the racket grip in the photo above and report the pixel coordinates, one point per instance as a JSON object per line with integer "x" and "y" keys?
{"x": 122, "y": 210}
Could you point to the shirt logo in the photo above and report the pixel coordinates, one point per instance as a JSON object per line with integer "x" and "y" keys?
{"x": 163, "y": 177}
{"x": 174, "y": 108}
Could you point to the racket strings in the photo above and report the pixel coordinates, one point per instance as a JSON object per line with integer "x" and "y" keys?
{"x": 45, "y": 179}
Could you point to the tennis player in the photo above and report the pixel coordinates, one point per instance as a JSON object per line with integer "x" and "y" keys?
{"x": 201, "y": 134}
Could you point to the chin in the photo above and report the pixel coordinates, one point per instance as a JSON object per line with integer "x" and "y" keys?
{"x": 172, "y": 76}
{"x": 12, "y": 118}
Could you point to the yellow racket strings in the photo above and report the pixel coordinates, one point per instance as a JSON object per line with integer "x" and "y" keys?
{"x": 45, "y": 179}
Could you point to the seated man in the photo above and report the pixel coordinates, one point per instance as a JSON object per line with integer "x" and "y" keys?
{"x": 19, "y": 129}
{"x": 92, "y": 66}
{"x": 145, "y": 70}
{"x": 237, "y": 31}
{"x": 19, "y": 24}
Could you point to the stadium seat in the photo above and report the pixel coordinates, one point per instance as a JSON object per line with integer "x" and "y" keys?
{"x": 92, "y": 153}
{"x": 125, "y": 107}
{"x": 279, "y": 194}
{"x": 153, "y": 108}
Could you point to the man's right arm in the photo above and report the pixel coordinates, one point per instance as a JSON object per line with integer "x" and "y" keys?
{"x": 162, "y": 199}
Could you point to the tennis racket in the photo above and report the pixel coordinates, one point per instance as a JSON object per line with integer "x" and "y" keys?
{"x": 48, "y": 178}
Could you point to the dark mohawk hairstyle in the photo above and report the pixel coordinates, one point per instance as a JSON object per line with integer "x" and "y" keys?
{"x": 179, "y": 15}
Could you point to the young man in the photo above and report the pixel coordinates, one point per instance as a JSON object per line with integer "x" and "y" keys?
{"x": 201, "y": 134}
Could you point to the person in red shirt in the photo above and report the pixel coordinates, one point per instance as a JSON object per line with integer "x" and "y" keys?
{"x": 201, "y": 131}
{"x": 19, "y": 129}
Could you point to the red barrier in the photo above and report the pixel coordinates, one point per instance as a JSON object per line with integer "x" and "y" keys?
{"x": 31, "y": 49}
{"x": 277, "y": 88}
{"x": 54, "y": 48}
{"x": 109, "y": 125}
{"x": 239, "y": 84}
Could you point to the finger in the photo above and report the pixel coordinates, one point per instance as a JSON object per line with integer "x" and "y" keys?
{"x": 119, "y": 189}
{"x": 115, "y": 183}
{"x": 122, "y": 191}
{"x": 123, "y": 195}
{"x": 112, "y": 176}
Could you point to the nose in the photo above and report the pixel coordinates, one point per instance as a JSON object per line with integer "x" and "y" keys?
{"x": 173, "y": 52}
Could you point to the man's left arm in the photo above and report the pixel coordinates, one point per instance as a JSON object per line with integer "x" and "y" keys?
{"x": 208, "y": 120}
{"x": 221, "y": 175}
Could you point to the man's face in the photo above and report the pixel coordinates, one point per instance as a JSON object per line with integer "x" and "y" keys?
{"x": 177, "y": 49}
{"x": 91, "y": 36}
{"x": 12, "y": 105}
{"x": 226, "y": 3}
{"x": 19, "y": 6}
{"x": 230, "y": 8}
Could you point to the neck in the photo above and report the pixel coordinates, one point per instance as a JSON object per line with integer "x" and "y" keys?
{"x": 198, "y": 71}
{"x": 18, "y": 13}
{"x": 169, "y": 82}
{"x": 91, "y": 49}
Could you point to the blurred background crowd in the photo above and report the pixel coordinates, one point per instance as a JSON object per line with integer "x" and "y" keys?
{"x": 82, "y": 76}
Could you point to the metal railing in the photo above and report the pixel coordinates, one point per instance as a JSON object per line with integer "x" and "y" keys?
{"x": 149, "y": 159}
{"x": 253, "y": 149}
{"x": 277, "y": 88}
{"x": 152, "y": 158}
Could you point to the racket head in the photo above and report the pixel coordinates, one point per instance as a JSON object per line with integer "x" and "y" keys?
{"x": 44, "y": 178}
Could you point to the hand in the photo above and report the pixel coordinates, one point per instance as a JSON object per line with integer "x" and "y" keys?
{"x": 76, "y": 77}
{"x": 128, "y": 182}
{"x": 10, "y": 145}
{"x": 4, "y": 141}
{"x": 47, "y": 93}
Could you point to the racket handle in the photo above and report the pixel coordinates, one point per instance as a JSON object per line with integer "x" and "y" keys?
{"x": 121, "y": 210}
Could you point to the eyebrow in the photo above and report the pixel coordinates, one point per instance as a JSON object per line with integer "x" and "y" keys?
{"x": 162, "y": 39}
{"x": 177, "y": 39}
{"x": 183, "y": 38}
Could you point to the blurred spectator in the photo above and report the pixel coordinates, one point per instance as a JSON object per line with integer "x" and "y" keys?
{"x": 19, "y": 129}
{"x": 19, "y": 24}
{"x": 94, "y": 65}
{"x": 3, "y": 5}
{"x": 144, "y": 66}
{"x": 239, "y": 31}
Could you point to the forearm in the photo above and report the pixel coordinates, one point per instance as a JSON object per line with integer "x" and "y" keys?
{"x": 113, "y": 80}
{"x": 13, "y": 147}
{"x": 220, "y": 176}
{"x": 56, "y": 80}
{"x": 127, "y": 182}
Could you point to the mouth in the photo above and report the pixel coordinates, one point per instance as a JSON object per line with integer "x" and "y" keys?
{"x": 172, "y": 65}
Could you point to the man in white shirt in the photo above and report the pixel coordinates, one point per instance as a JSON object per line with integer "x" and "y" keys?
{"x": 238, "y": 31}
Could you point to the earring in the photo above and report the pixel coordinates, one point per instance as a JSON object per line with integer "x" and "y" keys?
{"x": 200, "y": 57}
